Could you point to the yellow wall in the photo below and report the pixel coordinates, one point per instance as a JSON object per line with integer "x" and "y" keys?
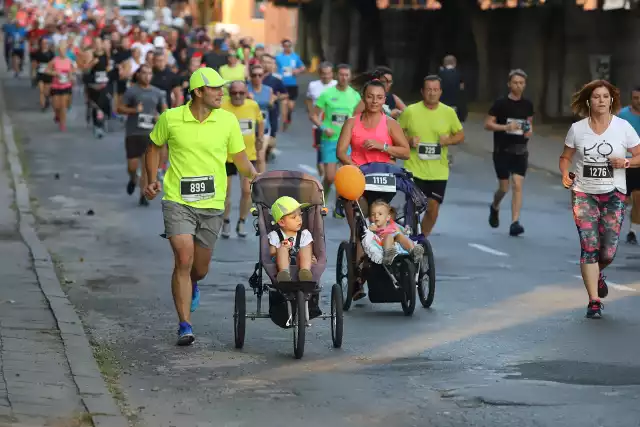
{"x": 278, "y": 22}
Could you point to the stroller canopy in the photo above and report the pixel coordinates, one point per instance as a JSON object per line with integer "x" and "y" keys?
{"x": 269, "y": 186}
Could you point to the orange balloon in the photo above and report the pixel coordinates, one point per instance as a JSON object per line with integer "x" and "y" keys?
{"x": 350, "y": 182}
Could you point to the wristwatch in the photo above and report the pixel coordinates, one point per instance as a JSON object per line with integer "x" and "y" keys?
{"x": 385, "y": 147}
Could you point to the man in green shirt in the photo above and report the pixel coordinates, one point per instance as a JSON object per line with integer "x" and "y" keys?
{"x": 332, "y": 109}
{"x": 430, "y": 127}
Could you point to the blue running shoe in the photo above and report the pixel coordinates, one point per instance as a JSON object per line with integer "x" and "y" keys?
{"x": 185, "y": 334}
{"x": 195, "y": 297}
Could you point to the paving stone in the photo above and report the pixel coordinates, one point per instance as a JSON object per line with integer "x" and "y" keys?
{"x": 90, "y": 385}
{"x": 54, "y": 378}
{"x": 103, "y": 404}
{"x": 31, "y": 335}
{"x": 45, "y": 408}
{"x": 43, "y": 345}
{"x": 30, "y": 326}
{"x": 37, "y": 391}
{"x": 53, "y": 356}
{"x": 41, "y": 315}
{"x": 17, "y": 366}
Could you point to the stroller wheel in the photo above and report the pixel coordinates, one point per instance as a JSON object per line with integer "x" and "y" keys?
{"x": 240, "y": 316}
{"x": 336, "y": 316}
{"x": 407, "y": 279}
{"x": 427, "y": 276}
{"x": 299, "y": 325}
{"x": 345, "y": 272}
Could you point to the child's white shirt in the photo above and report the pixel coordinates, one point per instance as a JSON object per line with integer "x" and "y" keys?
{"x": 305, "y": 238}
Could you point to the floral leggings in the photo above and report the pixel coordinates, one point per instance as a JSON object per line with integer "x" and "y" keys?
{"x": 598, "y": 218}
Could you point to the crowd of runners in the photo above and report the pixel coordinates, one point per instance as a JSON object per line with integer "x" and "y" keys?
{"x": 135, "y": 72}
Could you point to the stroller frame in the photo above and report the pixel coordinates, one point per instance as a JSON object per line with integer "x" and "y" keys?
{"x": 296, "y": 294}
{"x": 403, "y": 277}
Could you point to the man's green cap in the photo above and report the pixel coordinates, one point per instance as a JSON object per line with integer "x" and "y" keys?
{"x": 205, "y": 77}
{"x": 285, "y": 205}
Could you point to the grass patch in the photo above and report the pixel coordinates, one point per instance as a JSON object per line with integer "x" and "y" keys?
{"x": 111, "y": 370}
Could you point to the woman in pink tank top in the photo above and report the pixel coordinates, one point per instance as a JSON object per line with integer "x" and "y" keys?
{"x": 63, "y": 70}
{"x": 372, "y": 137}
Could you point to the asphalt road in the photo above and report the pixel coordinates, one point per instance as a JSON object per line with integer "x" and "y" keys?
{"x": 505, "y": 343}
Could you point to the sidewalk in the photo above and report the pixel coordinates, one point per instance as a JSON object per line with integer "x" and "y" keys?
{"x": 48, "y": 375}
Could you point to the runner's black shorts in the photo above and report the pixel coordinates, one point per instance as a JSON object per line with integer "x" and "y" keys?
{"x": 293, "y": 92}
{"x": 18, "y": 53}
{"x": 136, "y": 145}
{"x": 232, "y": 169}
{"x": 44, "y": 78}
{"x": 633, "y": 180}
{"x": 432, "y": 189}
{"x": 507, "y": 164}
{"x": 57, "y": 92}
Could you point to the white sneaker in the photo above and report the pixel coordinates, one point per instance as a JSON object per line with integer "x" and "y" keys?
{"x": 226, "y": 229}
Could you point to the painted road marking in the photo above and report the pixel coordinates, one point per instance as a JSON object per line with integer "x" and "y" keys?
{"x": 308, "y": 169}
{"x": 614, "y": 285}
{"x": 487, "y": 249}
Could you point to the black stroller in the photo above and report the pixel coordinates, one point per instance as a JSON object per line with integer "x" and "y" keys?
{"x": 398, "y": 282}
{"x": 291, "y": 304}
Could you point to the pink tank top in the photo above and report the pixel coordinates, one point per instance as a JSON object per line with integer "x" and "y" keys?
{"x": 62, "y": 69}
{"x": 359, "y": 154}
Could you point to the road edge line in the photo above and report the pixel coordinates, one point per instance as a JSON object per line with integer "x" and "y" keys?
{"x": 92, "y": 390}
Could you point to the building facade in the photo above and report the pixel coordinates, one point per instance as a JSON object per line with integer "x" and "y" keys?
{"x": 265, "y": 22}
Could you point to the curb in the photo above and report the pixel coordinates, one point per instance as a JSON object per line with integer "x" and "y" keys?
{"x": 92, "y": 390}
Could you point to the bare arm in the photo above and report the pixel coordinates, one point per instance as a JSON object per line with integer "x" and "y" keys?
{"x": 244, "y": 165}
{"x": 454, "y": 139}
{"x": 315, "y": 117}
{"x": 123, "y": 108}
{"x": 152, "y": 161}
{"x": 635, "y": 160}
{"x": 309, "y": 104}
{"x": 491, "y": 125}
{"x": 260, "y": 136}
{"x": 400, "y": 148}
{"x": 400, "y": 105}
{"x": 344, "y": 141}
{"x": 565, "y": 160}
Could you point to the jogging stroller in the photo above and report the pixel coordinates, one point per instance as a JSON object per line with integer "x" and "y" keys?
{"x": 291, "y": 304}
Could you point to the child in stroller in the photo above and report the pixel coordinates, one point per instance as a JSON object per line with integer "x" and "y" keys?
{"x": 289, "y": 243}
{"x": 390, "y": 235}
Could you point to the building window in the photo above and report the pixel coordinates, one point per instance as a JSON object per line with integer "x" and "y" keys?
{"x": 258, "y": 9}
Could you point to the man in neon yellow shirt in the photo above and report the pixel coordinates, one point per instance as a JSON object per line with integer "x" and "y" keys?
{"x": 200, "y": 135}
{"x": 430, "y": 127}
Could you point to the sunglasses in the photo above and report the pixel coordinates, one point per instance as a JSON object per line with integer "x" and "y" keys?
{"x": 236, "y": 93}
{"x": 257, "y": 75}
